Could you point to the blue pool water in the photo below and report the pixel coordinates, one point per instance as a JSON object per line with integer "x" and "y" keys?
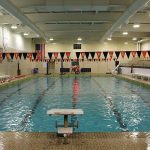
{"x": 109, "y": 104}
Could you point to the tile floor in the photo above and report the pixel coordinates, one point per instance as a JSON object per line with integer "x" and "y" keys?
{"x": 77, "y": 141}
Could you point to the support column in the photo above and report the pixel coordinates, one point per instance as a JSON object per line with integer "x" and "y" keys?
{"x": 65, "y": 121}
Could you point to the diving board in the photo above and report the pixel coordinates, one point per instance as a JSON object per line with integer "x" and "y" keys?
{"x": 65, "y": 112}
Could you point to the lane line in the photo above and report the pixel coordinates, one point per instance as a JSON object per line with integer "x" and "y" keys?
{"x": 117, "y": 114}
{"x": 13, "y": 93}
{"x": 37, "y": 101}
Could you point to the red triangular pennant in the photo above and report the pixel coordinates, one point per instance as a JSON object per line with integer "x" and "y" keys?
{"x": 98, "y": 54}
{"x": 122, "y": 54}
{"x": 68, "y": 54}
{"x": 144, "y": 53}
{"x": 16, "y": 55}
{"x": 1, "y": 57}
{"x": 30, "y": 56}
{"x": 133, "y": 53}
{"x": 55, "y": 55}
{"x": 7, "y": 55}
{"x": 111, "y": 54}
{"x": 82, "y": 55}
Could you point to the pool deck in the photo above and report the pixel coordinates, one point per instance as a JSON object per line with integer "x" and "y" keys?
{"x": 77, "y": 141}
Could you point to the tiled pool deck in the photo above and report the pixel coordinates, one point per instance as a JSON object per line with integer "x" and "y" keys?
{"x": 77, "y": 141}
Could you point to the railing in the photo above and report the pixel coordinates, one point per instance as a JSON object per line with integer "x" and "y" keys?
{"x": 115, "y": 68}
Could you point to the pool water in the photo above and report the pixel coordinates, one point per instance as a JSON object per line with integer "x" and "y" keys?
{"x": 109, "y": 104}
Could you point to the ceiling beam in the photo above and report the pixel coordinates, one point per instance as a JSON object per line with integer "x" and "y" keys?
{"x": 137, "y": 5}
{"x": 8, "y": 6}
{"x": 74, "y": 8}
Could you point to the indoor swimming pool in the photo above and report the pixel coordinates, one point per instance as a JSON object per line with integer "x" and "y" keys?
{"x": 109, "y": 104}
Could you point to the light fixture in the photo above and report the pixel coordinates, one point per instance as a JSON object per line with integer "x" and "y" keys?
{"x": 14, "y": 27}
{"x": 51, "y": 39}
{"x": 125, "y": 33}
{"x": 126, "y": 43}
{"x": 134, "y": 38}
{"x": 26, "y": 34}
{"x": 79, "y": 39}
{"x": 109, "y": 39}
{"x": 136, "y": 26}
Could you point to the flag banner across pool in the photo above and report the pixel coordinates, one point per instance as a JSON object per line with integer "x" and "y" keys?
{"x": 39, "y": 55}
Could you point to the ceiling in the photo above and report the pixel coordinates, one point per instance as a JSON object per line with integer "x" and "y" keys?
{"x": 66, "y": 20}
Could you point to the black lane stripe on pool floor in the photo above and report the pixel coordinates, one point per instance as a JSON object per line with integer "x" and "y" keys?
{"x": 10, "y": 95}
{"x": 139, "y": 94}
{"x": 118, "y": 116}
{"x": 37, "y": 101}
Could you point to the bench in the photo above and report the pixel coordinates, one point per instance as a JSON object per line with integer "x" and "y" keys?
{"x": 64, "y": 70}
{"x": 85, "y": 69}
{"x": 141, "y": 76}
{"x": 4, "y": 78}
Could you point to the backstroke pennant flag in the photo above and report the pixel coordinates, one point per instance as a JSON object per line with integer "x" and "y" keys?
{"x": 98, "y": 54}
{"x": 12, "y": 55}
{"x": 128, "y": 54}
{"x": 50, "y": 55}
{"x": 87, "y": 55}
{"x": 122, "y": 54}
{"x": 148, "y": 53}
{"x": 111, "y": 54}
{"x": 117, "y": 54}
{"x": 133, "y": 53}
{"x": 16, "y": 55}
{"x": 25, "y": 55}
{"x": 139, "y": 53}
{"x": 55, "y": 55}
{"x": 82, "y": 55}
{"x": 68, "y": 54}
{"x": 144, "y": 53}
{"x": 105, "y": 55}
{"x": 62, "y": 54}
{"x": 92, "y": 55}
{"x": 77, "y": 55}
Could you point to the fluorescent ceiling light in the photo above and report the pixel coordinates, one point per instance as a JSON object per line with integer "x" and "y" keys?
{"x": 51, "y": 39}
{"x": 126, "y": 43}
{"x": 125, "y": 33}
{"x": 136, "y": 26}
{"x": 109, "y": 39}
{"x": 134, "y": 38}
{"x": 13, "y": 27}
{"x": 26, "y": 34}
{"x": 79, "y": 39}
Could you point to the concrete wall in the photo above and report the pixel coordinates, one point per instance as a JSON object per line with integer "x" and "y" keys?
{"x": 12, "y": 42}
{"x": 16, "y": 42}
{"x": 145, "y": 45}
{"x": 97, "y": 66}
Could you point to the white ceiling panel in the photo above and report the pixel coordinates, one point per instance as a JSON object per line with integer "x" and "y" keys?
{"x": 68, "y": 19}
